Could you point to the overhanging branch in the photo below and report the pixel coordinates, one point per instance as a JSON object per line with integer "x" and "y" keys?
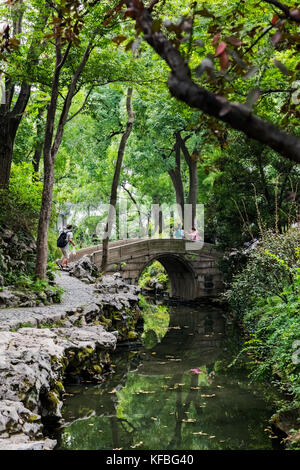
{"x": 182, "y": 86}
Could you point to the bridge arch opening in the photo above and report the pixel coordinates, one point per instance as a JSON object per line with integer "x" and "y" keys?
{"x": 182, "y": 278}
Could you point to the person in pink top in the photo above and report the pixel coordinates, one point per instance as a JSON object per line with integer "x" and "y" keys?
{"x": 194, "y": 235}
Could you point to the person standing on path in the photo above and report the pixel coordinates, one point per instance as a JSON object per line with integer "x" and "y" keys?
{"x": 66, "y": 249}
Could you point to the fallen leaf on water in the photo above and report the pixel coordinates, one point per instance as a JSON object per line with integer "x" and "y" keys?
{"x": 188, "y": 420}
{"x": 176, "y": 360}
{"x": 137, "y": 445}
{"x": 162, "y": 363}
{"x": 211, "y": 437}
{"x": 219, "y": 386}
{"x": 200, "y": 433}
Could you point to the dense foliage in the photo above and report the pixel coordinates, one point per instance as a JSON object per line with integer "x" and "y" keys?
{"x": 266, "y": 298}
{"x": 221, "y": 130}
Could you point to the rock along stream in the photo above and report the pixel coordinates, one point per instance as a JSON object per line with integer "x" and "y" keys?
{"x": 172, "y": 394}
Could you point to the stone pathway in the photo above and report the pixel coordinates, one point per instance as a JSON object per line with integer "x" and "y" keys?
{"x": 77, "y": 294}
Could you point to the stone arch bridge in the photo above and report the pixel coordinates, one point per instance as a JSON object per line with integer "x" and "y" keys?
{"x": 192, "y": 273}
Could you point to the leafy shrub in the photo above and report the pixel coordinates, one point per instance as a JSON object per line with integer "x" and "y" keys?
{"x": 266, "y": 295}
{"x": 155, "y": 273}
{"x": 269, "y": 271}
{"x": 53, "y": 251}
{"x": 22, "y": 203}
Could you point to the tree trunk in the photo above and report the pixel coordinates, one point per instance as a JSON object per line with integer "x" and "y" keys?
{"x": 39, "y": 141}
{"x": 6, "y": 151}
{"x": 114, "y": 187}
{"x": 51, "y": 147}
{"x": 193, "y": 178}
{"x": 175, "y": 175}
{"x": 141, "y": 226}
{"x": 9, "y": 123}
{"x": 158, "y": 215}
{"x": 45, "y": 214}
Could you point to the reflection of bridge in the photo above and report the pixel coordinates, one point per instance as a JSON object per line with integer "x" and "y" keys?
{"x": 192, "y": 273}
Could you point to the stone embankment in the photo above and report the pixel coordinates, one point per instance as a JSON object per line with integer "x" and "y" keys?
{"x": 42, "y": 347}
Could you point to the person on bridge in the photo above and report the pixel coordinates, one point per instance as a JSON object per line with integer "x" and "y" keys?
{"x": 179, "y": 232}
{"x": 194, "y": 235}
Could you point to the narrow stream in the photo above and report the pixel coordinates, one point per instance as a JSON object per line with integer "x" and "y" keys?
{"x": 155, "y": 400}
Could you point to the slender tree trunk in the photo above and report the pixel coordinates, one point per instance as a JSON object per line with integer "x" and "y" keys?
{"x": 39, "y": 141}
{"x": 6, "y": 151}
{"x": 114, "y": 187}
{"x": 158, "y": 216}
{"x": 9, "y": 123}
{"x": 193, "y": 177}
{"x": 175, "y": 175}
{"x": 51, "y": 147}
{"x": 142, "y": 232}
{"x": 45, "y": 214}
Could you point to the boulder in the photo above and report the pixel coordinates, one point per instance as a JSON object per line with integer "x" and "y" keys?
{"x": 7, "y": 298}
{"x": 85, "y": 270}
{"x": 33, "y": 363}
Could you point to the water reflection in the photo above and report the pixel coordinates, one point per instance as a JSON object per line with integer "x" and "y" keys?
{"x": 176, "y": 395}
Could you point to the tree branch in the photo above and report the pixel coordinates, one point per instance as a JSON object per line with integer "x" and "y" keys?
{"x": 292, "y": 15}
{"x": 182, "y": 86}
{"x": 82, "y": 107}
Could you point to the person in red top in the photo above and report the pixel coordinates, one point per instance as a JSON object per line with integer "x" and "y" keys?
{"x": 194, "y": 235}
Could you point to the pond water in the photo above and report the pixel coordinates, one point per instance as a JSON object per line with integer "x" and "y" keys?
{"x": 174, "y": 393}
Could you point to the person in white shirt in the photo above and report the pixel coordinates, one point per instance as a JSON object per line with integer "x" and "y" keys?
{"x": 66, "y": 250}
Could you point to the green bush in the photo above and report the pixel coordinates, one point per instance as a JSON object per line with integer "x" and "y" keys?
{"x": 53, "y": 251}
{"x": 265, "y": 276}
{"x": 152, "y": 274}
{"x": 21, "y": 204}
{"x": 266, "y": 296}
